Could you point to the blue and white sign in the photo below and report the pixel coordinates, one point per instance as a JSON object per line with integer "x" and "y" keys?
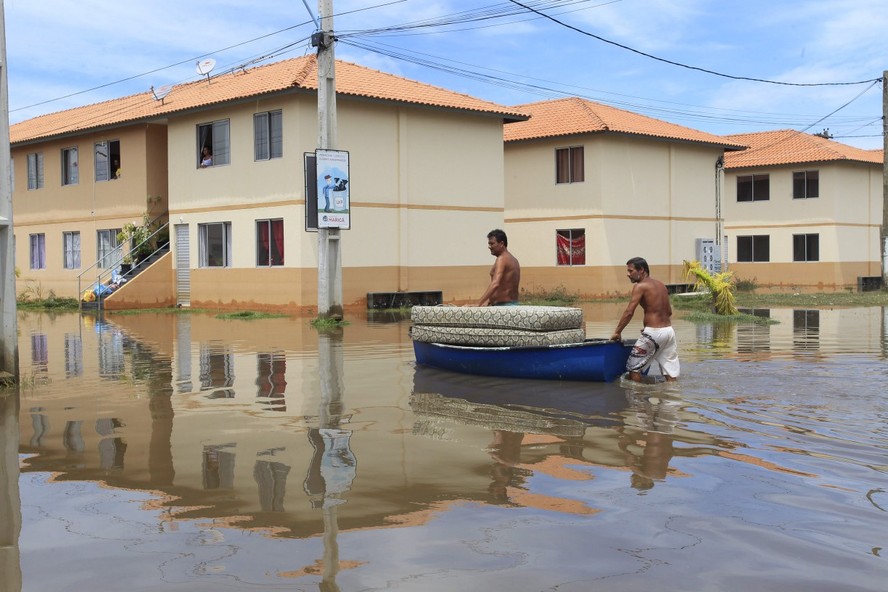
{"x": 333, "y": 189}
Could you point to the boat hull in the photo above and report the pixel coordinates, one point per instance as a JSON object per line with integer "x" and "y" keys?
{"x": 593, "y": 360}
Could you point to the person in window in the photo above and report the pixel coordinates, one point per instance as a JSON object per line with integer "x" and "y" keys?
{"x": 206, "y": 157}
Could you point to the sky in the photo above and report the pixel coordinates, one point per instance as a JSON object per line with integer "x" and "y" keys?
{"x": 723, "y": 67}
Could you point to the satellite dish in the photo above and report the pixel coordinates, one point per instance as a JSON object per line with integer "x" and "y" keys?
{"x": 161, "y": 91}
{"x": 204, "y": 67}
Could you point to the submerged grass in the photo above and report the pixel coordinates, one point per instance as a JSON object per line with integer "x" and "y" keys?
{"x": 249, "y": 315}
{"x": 558, "y": 296}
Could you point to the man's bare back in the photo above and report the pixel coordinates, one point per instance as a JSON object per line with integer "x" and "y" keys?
{"x": 505, "y": 275}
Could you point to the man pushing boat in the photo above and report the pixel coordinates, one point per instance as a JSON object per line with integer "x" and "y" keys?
{"x": 657, "y": 340}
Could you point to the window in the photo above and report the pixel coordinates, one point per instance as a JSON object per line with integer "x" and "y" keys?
{"x": 805, "y": 184}
{"x": 107, "y": 160}
{"x": 269, "y": 242}
{"x": 107, "y": 247}
{"x": 806, "y": 247}
{"x": 70, "y": 172}
{"x": 571, "y": 246}
{"x": 268, "y": 135}
{"x": 38, "y": 251}
{"x": 569, "y": 165}
{"x": 215, "y": 244}
{"x": 35, "y": 170}
{"x": 753, "y": 248}
{"x": 215, "y": 138}
{"x": 71, "y": 242}
{"x": 753, "y": 188}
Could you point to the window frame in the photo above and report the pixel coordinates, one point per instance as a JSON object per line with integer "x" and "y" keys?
{"x": 570, "y": 165}
{"x": 37, "y": 251}
{"x": 754, "y": 256}
{"x": 268, "y": 135}
{"x": 809, "y": 243}
{"x": 71, "y": 249}
{"x": 104, "y": 163}
{"x": 70, "y": 166}
{"x": 272, "y": 238}
{"x": 804, "y": 183}
{"x": 570, "y": 235}
{"x": 215, "y": 135}
{"x": 203, "y": 238}
{"x": 35, "y": 171}
{"x": 113, "y": 252}
{"x": 763, "y": 182}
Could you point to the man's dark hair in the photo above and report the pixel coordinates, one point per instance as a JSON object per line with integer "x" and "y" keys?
{"x": 499, "y": 236}
{"x": 639, "y": 263}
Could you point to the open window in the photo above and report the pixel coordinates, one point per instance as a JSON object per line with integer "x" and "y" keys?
{"x": 107, "y": 153}
{"x": 213, "y": 144}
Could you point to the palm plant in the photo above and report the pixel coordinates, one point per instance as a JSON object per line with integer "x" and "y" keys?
{"x": 720, "y": 286}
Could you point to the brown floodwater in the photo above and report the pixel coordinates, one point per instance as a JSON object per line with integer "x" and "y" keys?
{"x": 186, "y": 452}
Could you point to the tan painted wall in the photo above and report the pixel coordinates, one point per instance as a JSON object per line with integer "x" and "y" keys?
{"x": 640, "y": 198}
{"x": 847, "y": 216}
{"x": 426, "y": 186}
{"x": 86, "y": 207}
{"x": 152, "y": 288}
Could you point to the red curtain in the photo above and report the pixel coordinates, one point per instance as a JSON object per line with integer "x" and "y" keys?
{"x": 277, "y": 228}
{"x": 571, "y": 251}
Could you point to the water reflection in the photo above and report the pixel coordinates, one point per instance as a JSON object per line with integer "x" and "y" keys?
{"x": 207, "y": 423}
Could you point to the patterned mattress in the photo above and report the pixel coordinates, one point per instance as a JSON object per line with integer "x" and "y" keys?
{"x": 525, "y": 318}
{"x": 486, "y": 337}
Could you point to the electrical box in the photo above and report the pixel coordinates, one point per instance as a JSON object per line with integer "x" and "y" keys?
{"x": 708, "y": 254}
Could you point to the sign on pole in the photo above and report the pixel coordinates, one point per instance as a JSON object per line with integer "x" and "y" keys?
{"x": 333, "y": 189}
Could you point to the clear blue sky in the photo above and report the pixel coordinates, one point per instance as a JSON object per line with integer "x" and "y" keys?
{"x": 59, "y": 50}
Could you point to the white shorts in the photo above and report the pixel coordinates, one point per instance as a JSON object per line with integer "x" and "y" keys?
{"x": 655, "y": 345}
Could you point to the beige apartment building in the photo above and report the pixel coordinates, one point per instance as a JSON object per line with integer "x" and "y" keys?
{"x": 590, "y": 186}
{"x": 426, "y": 185}
{"x": 802, "y": 212}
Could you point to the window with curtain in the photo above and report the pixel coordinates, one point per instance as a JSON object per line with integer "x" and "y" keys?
{"x": 569, "y": 165}
{"x": 215, "y": 137}
{"x": 107, "y": 247}
{"x": 269, "y": 242}
{"x": 806, "y": 247}
{"x": 268, "y": 135}
{"x": 805, "y": 184}
{"x": 38, "y": 251}
{"x": 214, "y": 244}
{"x": 70, "y": 167}
{"x": 71, "y": 243}
{"x": 571, "y": 246}
{"x": 35, "y": 170}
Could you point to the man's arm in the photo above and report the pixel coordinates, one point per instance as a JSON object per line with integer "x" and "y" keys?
{"x": 499, "y": 269}
{"x": 634, "y": 300}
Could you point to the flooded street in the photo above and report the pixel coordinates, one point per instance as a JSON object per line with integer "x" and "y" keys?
{"x": 185, "y": 452}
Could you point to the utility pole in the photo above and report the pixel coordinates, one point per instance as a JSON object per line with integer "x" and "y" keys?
{"x": 8, "y": 326}
{"x": 884, "y": 234}
{"x": 329, "y": 255}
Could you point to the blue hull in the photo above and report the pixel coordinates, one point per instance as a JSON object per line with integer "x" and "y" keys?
{"x": 594, "y": 360}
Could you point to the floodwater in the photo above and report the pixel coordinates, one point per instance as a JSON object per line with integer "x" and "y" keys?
{"x": 185, "y": 452}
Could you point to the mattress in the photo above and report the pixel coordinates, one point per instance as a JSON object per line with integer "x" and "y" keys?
{"x": 486, "y": 337}
{"x": 525, "y": 318}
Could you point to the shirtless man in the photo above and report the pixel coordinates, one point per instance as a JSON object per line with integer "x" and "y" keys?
{"x": 657, "y": 341}
{"x": 504, "y": 275}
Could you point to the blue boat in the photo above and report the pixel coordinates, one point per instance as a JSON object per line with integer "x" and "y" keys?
{"x": 593, "y": 360}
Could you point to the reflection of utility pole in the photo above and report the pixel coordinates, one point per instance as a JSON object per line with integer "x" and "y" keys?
{"x": 8, "y": 329}
{"x": 884, "y": 234}
{"x": 333, "y": 465}
{"x": 329, "y": 255}
{"x": 10, "y": 502}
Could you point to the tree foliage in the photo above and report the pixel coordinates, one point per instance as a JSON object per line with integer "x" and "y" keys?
{"x": 720, "y": 286}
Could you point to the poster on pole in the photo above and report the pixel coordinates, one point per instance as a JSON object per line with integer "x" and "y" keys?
{"x": 333, "y": 189}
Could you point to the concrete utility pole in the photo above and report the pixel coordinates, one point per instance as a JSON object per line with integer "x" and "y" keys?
{"x": 329, "y": 255}
{"x": 8, "y": 327}
{"x": 884, "y": 233}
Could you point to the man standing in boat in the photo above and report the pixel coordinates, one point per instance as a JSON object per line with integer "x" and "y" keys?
{"x": 504, "y": 275}
{"x": 657, "y": 340}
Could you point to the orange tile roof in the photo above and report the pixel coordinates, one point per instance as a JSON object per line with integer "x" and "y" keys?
{"x": 286, "y": 75}
{"x": 573, "y": 115}
{"x": 793, "y": 147}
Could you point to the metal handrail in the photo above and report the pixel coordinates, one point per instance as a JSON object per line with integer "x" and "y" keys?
{"x": 101, "y": 276}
